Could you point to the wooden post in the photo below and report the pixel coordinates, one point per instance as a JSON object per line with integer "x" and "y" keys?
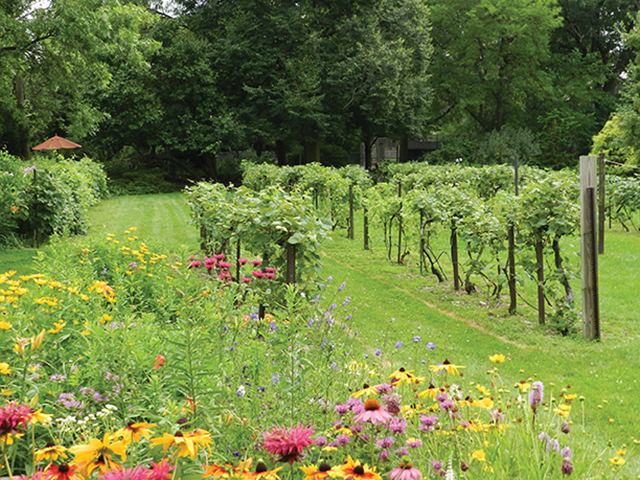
{"x": 365, "y": 228}
{"x": 400, "y": 223}
{"x": 540, "y": 262}
{"x": 454, "y": 255}
{"x": 351, "y": 226}
{"x": 421, "y": 242}
{"x": 589, "y": 257}
{"x": 601, "y": 200}
{"x": 513, "y": 293}
{"x": 291, "y": 263}
{"x": 238, "y": 262}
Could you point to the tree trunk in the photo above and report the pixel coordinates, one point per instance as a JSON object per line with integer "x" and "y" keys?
{"x": 23, "y": 128}
{"x": 365, "y": 228}
{"x": 540, "y": 262}
{"x": 404, "y": 150}
{"x": 367, "y": 150}
{"x": 569, "y": 295}
{"x": 281, "y": 153}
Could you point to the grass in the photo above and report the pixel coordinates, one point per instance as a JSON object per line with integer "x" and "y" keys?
{"x": 464, "y": 329}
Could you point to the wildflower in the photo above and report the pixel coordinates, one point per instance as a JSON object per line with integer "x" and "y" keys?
{"x": 133, "y": 431}
{"x": 567, "y": 466}
{"x": 323, "y": 470}
{"x": 417, "y": 339}
{"x": 121, "y": 473}
{"x": 446, "y": 366}
{"x": 431, "y": 346}
{"x": 565, "y": 427}
{"x": 13, "y": 416}
{"x": 63, "y": 471}
{"x": 4, "y": 368}
{"x": 399, "y": 344}
{"x": 398, "y": 425}
{"x": 98, "y": 454}
{"x": 288, "y": 444}
{"x": 536, "y": 394}
{"x": 402, "y": 375}
{"x": 216, "y": 470}
{"x": 618, "y": 461}
{"x": 261, "y": 471}
{"x": 414, "y": 442}
{"x": 186, "y": 443}
{"x": 373, "y": 413}
{"x": 479, "y": 455}
{"x": 159, "y": 362}
{"x": 5, "y": 325}
{"x": 354, "y": 470}
{"x": 497, "y": 358}
{"x": 393, "y": 404}
{"x": 160, "y": 471}
{"x": 366, "y": 390}
{"x": 405, "y": 472}
{"x": 50, "y": 452}
{"x": 378, "y": 352}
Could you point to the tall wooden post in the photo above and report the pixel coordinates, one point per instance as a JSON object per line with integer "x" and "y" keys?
{"x": 454, "y": 255}
{"x": 601, "y": 200}
{"x": 291, "y": 263}
{"x": 540, "y": 261}
{"x": 351, "y": 226}
{"x": 513, "y": 297}
{"x": 365, "y": 228}
{"x": 400, "y": 223}
{"x": 589, "y": 256}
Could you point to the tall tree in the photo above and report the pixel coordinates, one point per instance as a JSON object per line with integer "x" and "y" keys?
{"x": 53, "y": 57}
{"x": 488, "y": 60}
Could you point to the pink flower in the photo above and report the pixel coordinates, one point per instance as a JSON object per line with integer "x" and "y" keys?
{"x": 224, "y": 265}
{"x": 13, "y": 416}
{"x": 245, "y": 280}
{"x": 288, "y": 444}
{"x": 159, "y": 362}
{"x": 373, "y": 413}
{"x": 160, "y": 471}
{"x": 137, "y": 473}
{"x": 219, "y": 256}
{"x": 243, "y": 261}
{"x": 209, "y": 263}
{"x": 405, "y": 472}
{"x": 195, "y": 264}
{"x": 270, "y": 269}
{"x": 256, "y": 262}
{"x": 258, "y": 274}
{"x": 269, "y": 275}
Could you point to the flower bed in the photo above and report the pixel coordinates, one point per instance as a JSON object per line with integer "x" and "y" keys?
{"x": 120, "y": 362}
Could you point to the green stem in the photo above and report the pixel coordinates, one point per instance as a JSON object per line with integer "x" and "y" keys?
{"x": 4, "y": 457}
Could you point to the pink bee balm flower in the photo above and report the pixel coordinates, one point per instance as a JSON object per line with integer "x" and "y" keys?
{"x": 137, "y": 473}
{"x": 405, "y": 472}
{"x": 220, "y": 256}
{"x": 270, "y": 270}
{"x": 243, "y": 261}
{"x": 269, "y": 275}
{"x": 195, "y": 264}
{"x": 256, "y": 262}
{"x": 288, "y": 444}
{"x": 224, "y": 265}
{"x": 373, "y": 413}
{"x": 13, "y": 416}
{"x": 258, "y": 274}
{"x": 245, "y": 280}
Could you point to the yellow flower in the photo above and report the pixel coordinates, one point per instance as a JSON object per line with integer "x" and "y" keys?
{"x": 402, "y": 375}
{"x": 4, "y": 368}
{"x": 354, "y": 470}
{"x": 5, "y": 393}
{"x": 446, "y": 366}
{"x": 571, "y": 396}
{"x": 622, "y": 451}
{"x": 106, "y": 318}
{"x": 497, "y": 358}
{"x": 133, "y": 431}
{"x": 485, "y": 391}
{"x": 58, "y": 326}
{"x": 619, "y": 461}
{"x": 98, "y": 454}
{"x": 50, "y": 452}
{"x": 186, "y": 443}
{"x": 43, "y": 418}
{"x": 366, "y": 390}
{"x": 5, "y": 325}
{"x": 479, "y": 455}
{"x": 523, "y": 386}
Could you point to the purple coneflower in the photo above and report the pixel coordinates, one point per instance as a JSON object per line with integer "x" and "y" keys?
{"x": 373, "y": 413}
{"x": 405, "y": 472}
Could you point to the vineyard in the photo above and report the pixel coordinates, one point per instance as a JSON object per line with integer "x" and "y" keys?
{"x": 465, "y": 225}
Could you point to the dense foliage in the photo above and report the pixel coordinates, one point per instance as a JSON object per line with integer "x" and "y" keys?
{"x": 47, "y": 196}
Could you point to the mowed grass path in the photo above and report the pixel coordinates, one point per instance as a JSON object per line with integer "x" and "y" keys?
{"x": 161, "y": 220}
